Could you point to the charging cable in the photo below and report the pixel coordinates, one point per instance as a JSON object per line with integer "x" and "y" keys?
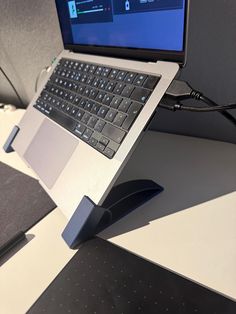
{"x": 47, "y": 69}
{"x": 181, "y": 90}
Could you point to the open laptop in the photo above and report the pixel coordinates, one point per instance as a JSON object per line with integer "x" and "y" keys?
{"x": 81, "y": 127}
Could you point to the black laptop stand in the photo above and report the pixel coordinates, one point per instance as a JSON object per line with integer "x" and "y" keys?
{"x": 89, "y": 218}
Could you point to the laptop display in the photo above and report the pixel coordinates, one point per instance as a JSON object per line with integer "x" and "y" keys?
{"x": 156, "y": 28}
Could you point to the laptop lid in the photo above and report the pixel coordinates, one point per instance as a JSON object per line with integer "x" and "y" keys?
{"x": 136, "y": 29}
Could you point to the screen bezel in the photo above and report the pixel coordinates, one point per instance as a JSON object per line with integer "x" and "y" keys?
{"x": 150, "y": 55}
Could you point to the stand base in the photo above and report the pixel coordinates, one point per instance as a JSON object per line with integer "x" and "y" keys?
{"x": 7, "y": 147}
{"x": 90, "y": 219}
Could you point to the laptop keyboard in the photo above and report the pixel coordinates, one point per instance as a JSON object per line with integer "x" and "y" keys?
{"x": 98, "y": 104}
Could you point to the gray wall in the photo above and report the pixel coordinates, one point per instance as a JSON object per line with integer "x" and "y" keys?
{"x": 29, "y": 39}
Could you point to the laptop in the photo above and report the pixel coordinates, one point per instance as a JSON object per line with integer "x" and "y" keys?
{"x": 119, "y": 58}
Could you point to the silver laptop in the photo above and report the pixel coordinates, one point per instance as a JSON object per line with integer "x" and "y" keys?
{"x": 81, "y": 127}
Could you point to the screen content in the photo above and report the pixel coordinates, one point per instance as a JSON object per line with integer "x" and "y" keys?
{"x": 146, "y": 24}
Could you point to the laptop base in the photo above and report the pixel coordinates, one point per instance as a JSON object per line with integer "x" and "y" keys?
{"x": 89, "y": 218}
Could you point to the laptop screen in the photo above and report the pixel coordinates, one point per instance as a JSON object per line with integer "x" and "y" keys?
{"x": 145, "y": 29}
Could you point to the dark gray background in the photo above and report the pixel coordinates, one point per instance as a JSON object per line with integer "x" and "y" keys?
{"x": 30, "y": 38}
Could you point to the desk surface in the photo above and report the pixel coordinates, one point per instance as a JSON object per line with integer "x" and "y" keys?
{"x": 190, "y": 228}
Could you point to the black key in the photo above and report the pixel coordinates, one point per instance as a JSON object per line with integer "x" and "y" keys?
{"x": 80, "y": 128}
{"x": 106, "y": 72}
{"x": 93, "y": 141}
{"x": 66, "y": 95}
{"x": 87, "y": 91}
{"x": 96, "y": 82}
{"x": 82, "y": 103}
{"x": 113, "y": 133}
{"x": 140, "y": 94}
{"x": 132, "y": 115}
{"x": 55, "y": 80}
{"x": 85, "y": 118}
{"x": 56, "y": 92}
{"x": 68, "y": 108}
{"x": 107, "y": 99}
{"x": 151, "y": 82}
{"x": 130, "y": 78}
{"x": 90, "y": 79}
{"x": 127, "y": 91}
{"x": 116, "y": 102}
{"x": 96, "y": 108}
{"x": 62, "y": 119}
{"x": 119, "y": 88}
{"x": 86, "y": 68}
{"x": 93, "y": 93}
{"x": 74, "y": 111}
{"x": 75, "y": 87}
{"x": 119, "y": 119}
{"x": 99, "y": 125}
{"x": 121, "y": 75}
{"x": 53, "y": 101}
{"x": 109, "y": 152}
{"x": 77, "y": 100}
{"x": 103, "y": 84}
{"x": 139, "y": 80}
{"x": 66, "y": 63}
{"x": 110, "y": 86}
{"x": 61, "y": 93}
{"x": 63, "y": 106}
{"x": 100, "y": 96}
{"x": 68, "y": 73}
{"x": 58, "y": 103}
{"x": 71, "y": 64}
{"x": 124, "y": 106}
{"x": 110, "y": 116}
{"x": 89, "y": 105}
{"x": 68, "y": 84}
{"x": 78, "y": 76}
{"x": 99, "y": 70}
{"x": 104, "y": 141}
{"x": 103, "y": 111}
{"x": 75, "y": 67}
{"x": 87, "y": 134}
{"x": 71, "y": 97}
{"x": 113, "y": 73}
{"x": 81, "y": 66}
{"x": 92, "y": 68}
{"x": 100, "y": 147}
{"x": 80, "y": 114}
{"x": 84, "y": 78}
{"x": 92, "y": 121}
{"x": 51, "y": 89}
{"x": 81, "y": 89}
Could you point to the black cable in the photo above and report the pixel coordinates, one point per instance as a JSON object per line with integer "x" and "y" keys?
{"x": 180, "y": 106}
{"x": 13, "y": 87}
{"x": 181, "y": 90}
{"x": 209, "y": 102}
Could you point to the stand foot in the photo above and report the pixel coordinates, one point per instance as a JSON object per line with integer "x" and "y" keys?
{"x": 90, "y": 219}
{"x": 8, "y": 145}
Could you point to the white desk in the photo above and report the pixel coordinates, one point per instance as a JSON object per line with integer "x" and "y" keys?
{"x": 190, "y": 228}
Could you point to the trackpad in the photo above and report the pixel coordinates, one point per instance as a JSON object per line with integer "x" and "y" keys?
{"x": 49, "y": 151}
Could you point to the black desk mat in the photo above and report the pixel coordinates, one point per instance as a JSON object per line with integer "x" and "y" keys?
{"x": 104, "y": 279}
{"x": 23, "y": 202}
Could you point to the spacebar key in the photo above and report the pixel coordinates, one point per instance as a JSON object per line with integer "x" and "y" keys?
{"x": 113, "y": 133}
{"x": 62, "y": 119}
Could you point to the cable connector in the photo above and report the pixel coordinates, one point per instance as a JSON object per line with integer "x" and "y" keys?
{"x": 179, "y": 90}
